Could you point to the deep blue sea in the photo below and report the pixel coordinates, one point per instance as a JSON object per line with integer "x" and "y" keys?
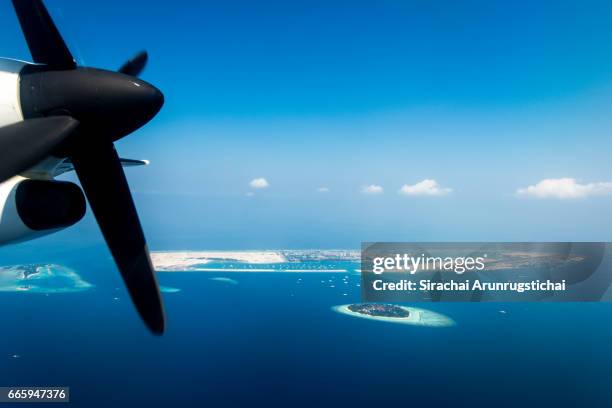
{"x": 272, "y": 339}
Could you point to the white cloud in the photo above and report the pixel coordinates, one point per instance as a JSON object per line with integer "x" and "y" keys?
{"x": 323, "y": 190}
{"x": 259, "y": 183}
{"x": 427, "y": 187}
{"x": 372, "y": 189}
{"x": 565, "y": 188}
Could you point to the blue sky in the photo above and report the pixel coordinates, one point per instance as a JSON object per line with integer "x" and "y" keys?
{"x": 483, "y": 97}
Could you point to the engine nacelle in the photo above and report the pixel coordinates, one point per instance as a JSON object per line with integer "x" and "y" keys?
{"x": 30, "y": 208}
{"x": 10, "y": 88}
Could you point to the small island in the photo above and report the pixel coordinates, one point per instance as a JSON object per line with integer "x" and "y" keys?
{"x": 380, "y": 309}
{"x": 387, "y": 312}
{"x": 41, "y": 278}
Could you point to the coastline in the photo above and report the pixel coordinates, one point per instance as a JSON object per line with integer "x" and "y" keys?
{"x": 181, "y": 260}
{"x": 277, "y": 261}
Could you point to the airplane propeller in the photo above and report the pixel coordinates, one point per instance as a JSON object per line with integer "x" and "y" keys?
{"x": 135, "y": 65}
{"x": 77, "y": 112}
{"x": 31, "y": 140}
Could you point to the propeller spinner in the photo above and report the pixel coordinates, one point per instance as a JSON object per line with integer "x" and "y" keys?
{"x": 78, "y": 112}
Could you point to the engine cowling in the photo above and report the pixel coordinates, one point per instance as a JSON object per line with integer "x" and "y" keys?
{"x": 10, "y": 89}
{"x": 30, "y": 208}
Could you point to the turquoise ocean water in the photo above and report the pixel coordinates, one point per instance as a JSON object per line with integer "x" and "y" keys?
{"x": 272, "y": 339}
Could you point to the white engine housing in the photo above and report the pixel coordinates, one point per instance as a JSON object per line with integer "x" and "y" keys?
{"x": 30, "y": 208}
{"x": 10, "y": 106}
{"x": 12, "y": 228}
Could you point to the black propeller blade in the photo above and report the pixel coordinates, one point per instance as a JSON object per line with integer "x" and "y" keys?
{"x": 102, "y": 178}
{"x": 44, "y": 40}
{"x": 107, "y": 106}
{"x": 24, "y": 144}
{"x": 135, "y": 65}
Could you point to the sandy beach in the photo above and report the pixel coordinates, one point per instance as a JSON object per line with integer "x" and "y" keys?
{"x": 193, "y": 260}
